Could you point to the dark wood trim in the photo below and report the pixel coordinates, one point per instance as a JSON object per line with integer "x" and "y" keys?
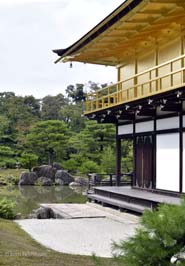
{"x": 118, "y": 158}
{"x": 181, "y": 153}
{"x": 167, "y": 131}
{"x": 154, "y": 134}
{"x": 149, "y": 133}
{"x": 133, "y": 183}
{"x": 125, "y": 123}
{"x": 154, "y": 155}
{"x": 159, "y": 132}
{"x": 167, "y": 116}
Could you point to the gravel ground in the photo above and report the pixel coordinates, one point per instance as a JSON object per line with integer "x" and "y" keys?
{"x": 83, "y": 236}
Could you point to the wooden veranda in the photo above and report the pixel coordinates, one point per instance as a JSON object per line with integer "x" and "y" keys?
{"x": 130, "y": 199}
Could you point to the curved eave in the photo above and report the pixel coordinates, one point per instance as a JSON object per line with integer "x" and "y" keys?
{"x": 134, "y": 27}
{"x": 116, "y": 15}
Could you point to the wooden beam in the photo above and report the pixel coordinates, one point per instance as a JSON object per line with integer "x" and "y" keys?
{"x": 171, "y": 107}
{"x": 118, "y": 159}
{"x": 146, "y": 112}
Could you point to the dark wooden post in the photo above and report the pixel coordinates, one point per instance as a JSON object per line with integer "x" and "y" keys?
{"x": 118, "y": 160}
{"x": 111, "y": 180}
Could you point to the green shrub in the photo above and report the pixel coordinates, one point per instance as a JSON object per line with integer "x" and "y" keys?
{"x": 89, "y": 167}
{"x": 28, "y": 160}
{"x": 161, "y": 236}
{"x": 7, "y": 209}
{"x": 108, "y": 161}
{"x": 71, "y": 165}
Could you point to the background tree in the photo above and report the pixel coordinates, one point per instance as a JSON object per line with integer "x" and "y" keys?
{"x": 28, "y": 160}
{"x": 76, "y": 93}
{"x": 48, "y": 140}
{"x": 72, "y": 115}
{"x": 54, "y": 128}
{"x": 108, "y": 161}
{"x": 51, "y": 106}
{"x": 127, "y": 156}
{"x": 88, "y": 145}
{"x": 8, "y": 157}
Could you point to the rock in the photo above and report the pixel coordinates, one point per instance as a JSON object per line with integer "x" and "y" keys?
{"x": 44, "y": 181}
{"x": 57, "y": 166}
{"x": 82, "y": 181}
{"x": 28, "y": 178}
{"x": 32, "y": 216}
{"x": 18, "y": 216}
{"x": 59, "y": 182}
{"x": 178, "y": 258}
{"x": 75, "y": 184}
{"x": 64, "y": 176}
{"x": 46, "y": 171}
{"x": 42, "y": 213}
{"x": 3, "y": 183}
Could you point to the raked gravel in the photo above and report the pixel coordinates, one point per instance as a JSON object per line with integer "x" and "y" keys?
{"x": 83, "y": 236}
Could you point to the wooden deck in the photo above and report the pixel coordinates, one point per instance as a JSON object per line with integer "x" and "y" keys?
{"x": 131, "y": 199}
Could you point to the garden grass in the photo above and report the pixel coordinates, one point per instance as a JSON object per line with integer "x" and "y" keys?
{"x": 17, "y": 248}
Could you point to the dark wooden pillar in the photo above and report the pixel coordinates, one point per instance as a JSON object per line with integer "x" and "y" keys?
{"x": 181, "y": 153}
{"x": 118, "y": 159}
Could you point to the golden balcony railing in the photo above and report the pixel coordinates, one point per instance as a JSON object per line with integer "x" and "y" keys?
{"x": 164, "y": 77}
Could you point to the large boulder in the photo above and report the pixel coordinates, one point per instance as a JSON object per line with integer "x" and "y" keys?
{"x": 42, "y": 213}
{"x": 74, "y": 184}
{"x": 59, "y": 182}
{"x": 45, "y": 170}
{"x": 64, "y": 176}
{"x": 28, "y": 178}
{"x": 44, "y": 181}
{"x": 57, "y": 166}
{"x": 82, "y": 181}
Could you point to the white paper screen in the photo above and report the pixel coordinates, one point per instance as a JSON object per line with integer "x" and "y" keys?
{"x": 183, "y": 182}
{"x": 168, "y": 162}
{"x": 168, "y": 123}
{"x": 144, "y": 126}
{"x": 125, "y": 129}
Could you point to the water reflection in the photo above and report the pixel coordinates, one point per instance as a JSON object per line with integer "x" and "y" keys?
{"x": 29, "y": 197}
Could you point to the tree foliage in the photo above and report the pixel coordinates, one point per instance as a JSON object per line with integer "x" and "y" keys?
{"x": 7, "y": 209}
{"x": 76, "y": 93}
{"x": 51, "y": 106}
{"x": 28, "y": 160}
{"x": 160, "y": 237}
{"x": 48, "y": 140}
{"x": 54, "y": 128}
{"x": 108, "y": 160}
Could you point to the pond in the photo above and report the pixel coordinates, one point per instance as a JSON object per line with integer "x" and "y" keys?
{"x": 29, "y": 197}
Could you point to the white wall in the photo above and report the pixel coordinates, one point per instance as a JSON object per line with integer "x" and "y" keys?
{"x": 144, "y": 126}
{"x": 183, "y": 176}
{"x": 125, "y": 129}
{"x": 183, "y": 120}
{"x": 167, "y": 170}
{"x": 168, "y": 123}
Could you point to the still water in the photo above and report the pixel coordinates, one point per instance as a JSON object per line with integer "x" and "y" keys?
{"x": 29, "y": 197}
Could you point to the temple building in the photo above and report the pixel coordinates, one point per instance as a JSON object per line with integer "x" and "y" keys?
{"x": 145, "y": 41}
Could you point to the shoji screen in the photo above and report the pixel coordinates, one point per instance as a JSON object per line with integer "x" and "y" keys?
{"x": 167, "y": 174}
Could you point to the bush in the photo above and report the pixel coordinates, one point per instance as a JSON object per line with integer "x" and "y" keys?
{"x": 7, "y": 209}
{"x": 28, "y": 160}
{"x": 108, "y": 161}
{"x": 71, "y": 165}
{"x": 161, "y": 236}
{"x": 89, "y": 167}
